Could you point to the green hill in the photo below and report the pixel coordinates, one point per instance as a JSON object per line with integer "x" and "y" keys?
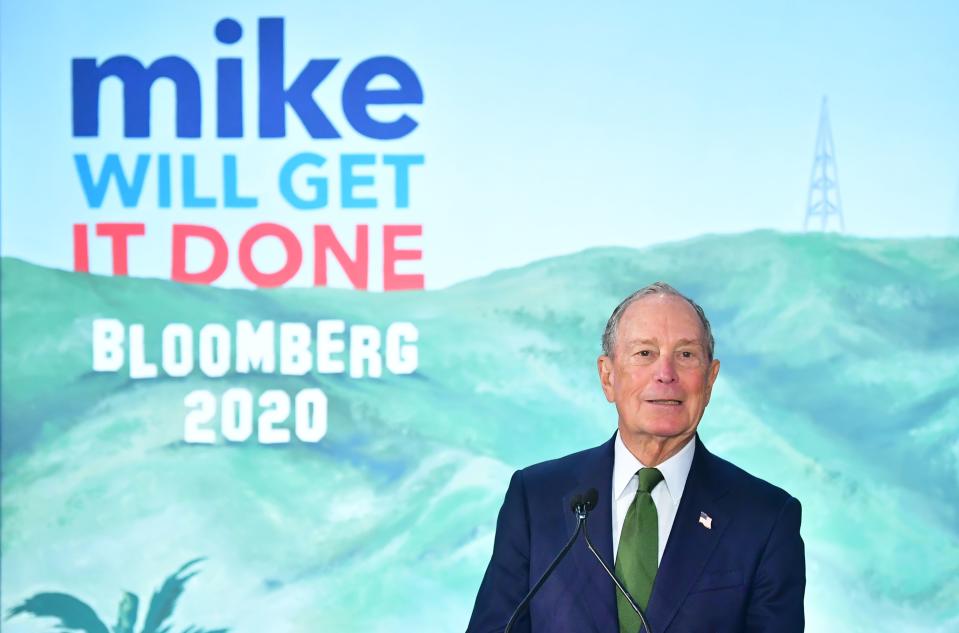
{"x": 839, "y": 382}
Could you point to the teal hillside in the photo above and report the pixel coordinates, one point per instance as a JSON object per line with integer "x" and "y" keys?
{"x": 839, "y": 382}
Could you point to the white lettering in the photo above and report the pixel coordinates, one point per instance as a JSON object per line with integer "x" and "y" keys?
{"x": 365, "y": 346}
{"x": 326, "y": 346}
{"x": 214, "y": 350}
{"x": 254, "y": 347}
{"x": 107, "y": 345}
{"x": 295, "y": 357}
{"x": 402, "y": 358}
{"x": 139, "y": 368}
{"x": 177, "y": 349}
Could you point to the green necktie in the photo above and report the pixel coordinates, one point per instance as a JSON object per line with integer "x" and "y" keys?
{"x": 638, "y": 555}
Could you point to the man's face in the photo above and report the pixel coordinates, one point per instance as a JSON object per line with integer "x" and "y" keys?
{"x": 659, "y": 375}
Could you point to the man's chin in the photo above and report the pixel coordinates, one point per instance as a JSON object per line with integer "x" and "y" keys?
{"x": 659, "y": 428}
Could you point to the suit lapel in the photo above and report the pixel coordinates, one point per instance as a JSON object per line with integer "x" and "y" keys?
{"x": 598, "y": 596}
{"x": 690, "y": 542}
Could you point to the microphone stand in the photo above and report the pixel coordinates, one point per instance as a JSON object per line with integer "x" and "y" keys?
{"x": 580, "y": 522}
{"x": 581, "y": 506}
{"x": 616, "y": 581}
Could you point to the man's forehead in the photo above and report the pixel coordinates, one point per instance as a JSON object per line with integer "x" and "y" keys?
{"x": 660, "y": 315}
{"x": 653, "y": 340}
{"x": 656, "y": 307}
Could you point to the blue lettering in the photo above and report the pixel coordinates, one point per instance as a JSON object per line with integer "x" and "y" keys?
{"x": 112, "y": 170}
{"x": 274, "y": 92}
{"x": 319, "y": 200}
{"x": 190, "y": 199}
{"x": 137, "y": 82}
{"x": 401, "y": 168}
{"x": 229, "y": 83}
{"x": 349, "y": 180}
{"x": 274, "y": 97}
{"x": 357, "y": 97}
{"x": 163, "y": 181}
{"x": 230, "y": 196}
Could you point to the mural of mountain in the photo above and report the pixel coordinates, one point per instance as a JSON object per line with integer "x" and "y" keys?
{"x": 839, "y": 382}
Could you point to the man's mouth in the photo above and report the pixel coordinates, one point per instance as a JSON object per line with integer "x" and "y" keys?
{"x": 668, "y": 402}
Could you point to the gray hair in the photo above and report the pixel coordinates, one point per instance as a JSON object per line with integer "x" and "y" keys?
{"x": 657, "y": 288}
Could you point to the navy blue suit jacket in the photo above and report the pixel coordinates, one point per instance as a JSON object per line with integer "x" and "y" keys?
{"x": 745, "y": 573}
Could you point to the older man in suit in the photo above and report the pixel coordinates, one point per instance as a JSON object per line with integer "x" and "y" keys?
{"x": 699, "y": 543}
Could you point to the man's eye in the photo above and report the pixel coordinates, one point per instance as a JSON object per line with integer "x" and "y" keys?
{"x": 643, "y": 352}
{"x": 686, "y": 354}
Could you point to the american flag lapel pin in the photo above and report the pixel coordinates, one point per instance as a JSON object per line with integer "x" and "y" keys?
{"x": 706, "y": 520}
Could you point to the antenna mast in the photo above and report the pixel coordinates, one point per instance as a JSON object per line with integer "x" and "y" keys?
{"x": 823, "y": 202}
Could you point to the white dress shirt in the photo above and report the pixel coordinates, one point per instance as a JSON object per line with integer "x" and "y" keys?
{"x": 666, "y": 494}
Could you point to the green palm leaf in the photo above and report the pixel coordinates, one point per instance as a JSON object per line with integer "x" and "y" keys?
{"x": 164, "y": 599}
{"x": 73, "y": 613}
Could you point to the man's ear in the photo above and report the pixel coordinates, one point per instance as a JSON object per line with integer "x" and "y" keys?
{"x": 711, "y": 374}
{"x": 606, "y": 375}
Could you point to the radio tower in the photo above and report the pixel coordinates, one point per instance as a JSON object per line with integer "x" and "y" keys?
{"x": 823, "y": 201}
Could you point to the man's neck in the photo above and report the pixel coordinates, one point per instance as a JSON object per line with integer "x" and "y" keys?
{"x": 652, "y": 451}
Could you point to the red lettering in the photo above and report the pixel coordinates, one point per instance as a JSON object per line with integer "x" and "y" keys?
{"x": 181, "y": 233}
{"x": 294, "y": 255}
{"x": 119, "y": 233}
{"x": 81, "y": 249}
{"x": 356, "y": 269}
{"x": 328, "y": 248}
{"x": 393, "y": 280}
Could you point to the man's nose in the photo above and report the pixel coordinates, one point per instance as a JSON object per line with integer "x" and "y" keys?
{"x": 666, "y": 369}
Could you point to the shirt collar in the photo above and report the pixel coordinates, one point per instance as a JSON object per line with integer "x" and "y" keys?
{"x": 675, "y": 470}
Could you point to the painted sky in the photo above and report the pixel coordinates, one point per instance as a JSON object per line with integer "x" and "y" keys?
{"x": 547, "y": 127}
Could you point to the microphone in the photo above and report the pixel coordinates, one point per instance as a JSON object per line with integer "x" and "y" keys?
{"x": 588, "y": 502}
{"x": 580, "y": 505}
